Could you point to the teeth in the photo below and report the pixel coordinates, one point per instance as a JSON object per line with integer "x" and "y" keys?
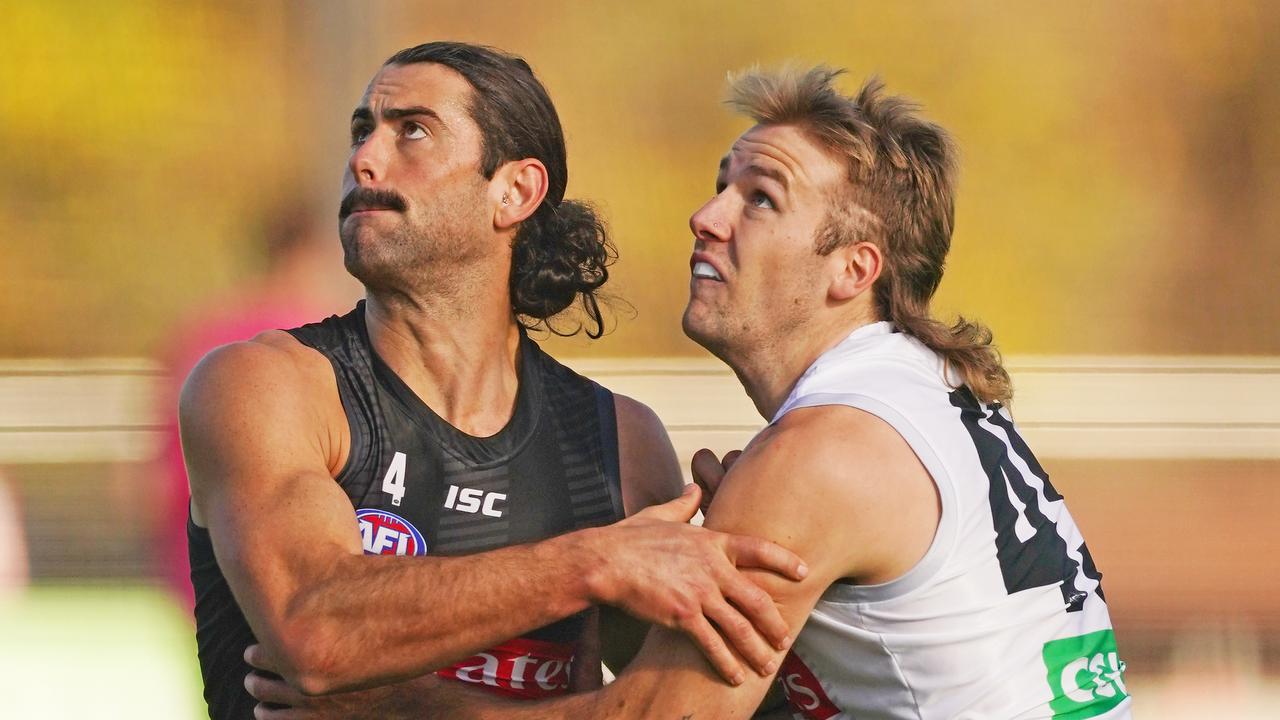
{"x": 704, "y": 270}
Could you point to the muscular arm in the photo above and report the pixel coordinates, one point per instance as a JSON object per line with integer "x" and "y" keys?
{"x": 650, "y": 475}
{"x": 648, "y": 463}
{"x": 286, "y": 538}
{"x": 260, "y": 455}
{"x": 834, "y": 484}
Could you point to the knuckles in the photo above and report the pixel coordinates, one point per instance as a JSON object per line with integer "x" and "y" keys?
{"x": 753, "y": 596}
{"x": 685, "y": 611}
{"x": 739, "y": 627}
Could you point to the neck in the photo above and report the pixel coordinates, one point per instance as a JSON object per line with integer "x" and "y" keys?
{"x": 459, "y": 356}
{"x": 769, "y": 371}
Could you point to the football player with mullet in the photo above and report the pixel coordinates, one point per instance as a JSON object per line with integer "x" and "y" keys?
{"x": 946, "y": 578}
{"x": 415, "y": 486}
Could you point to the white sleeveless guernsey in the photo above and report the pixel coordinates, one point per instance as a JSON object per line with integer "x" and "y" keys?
{"x": 1004, "y": 617}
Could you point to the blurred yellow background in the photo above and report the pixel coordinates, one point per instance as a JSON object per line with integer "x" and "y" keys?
{"x": 1118, "y": 158}
{"x": 1119, "y": 175}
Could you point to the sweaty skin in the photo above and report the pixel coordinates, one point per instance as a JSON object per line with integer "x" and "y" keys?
{"x": 833, "y": 484}
{"x": 868, "y": 521}
{"x": 262, "y": 484}
{"x": 264, "y": 435}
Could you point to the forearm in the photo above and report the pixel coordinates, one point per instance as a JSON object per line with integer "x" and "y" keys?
{"x": 374, "y": 620}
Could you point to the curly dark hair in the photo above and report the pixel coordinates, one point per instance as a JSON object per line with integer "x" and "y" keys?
{"x": 562, "y": 251}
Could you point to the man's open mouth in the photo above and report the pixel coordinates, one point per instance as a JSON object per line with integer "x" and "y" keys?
{"x": 704, "y": 271}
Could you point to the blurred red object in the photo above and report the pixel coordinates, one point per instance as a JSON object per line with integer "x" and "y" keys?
{"x": 304, "y": 281}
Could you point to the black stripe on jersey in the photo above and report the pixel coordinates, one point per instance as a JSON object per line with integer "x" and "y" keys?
{"x": 1043, "y": 558}
{"x": 555, "y": 463}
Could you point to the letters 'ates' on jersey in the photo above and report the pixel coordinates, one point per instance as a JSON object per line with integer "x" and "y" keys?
{"x": 1004, "y": 617}
{"x": 421, "y": 486}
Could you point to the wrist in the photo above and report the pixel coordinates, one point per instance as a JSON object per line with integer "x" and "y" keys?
{"x": 579, "y": 563}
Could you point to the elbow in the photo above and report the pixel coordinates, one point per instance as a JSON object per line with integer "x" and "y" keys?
{"x": 307, "y": 657}
{"x": 312, "y": 647}
{"x": 314, "y": 685}
{"x": 313, "y": 680}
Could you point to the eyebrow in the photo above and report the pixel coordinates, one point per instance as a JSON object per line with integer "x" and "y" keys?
{"x": 759, "y": 170}
{"x": 772, "y": 173}
{"x": 363, "y": 113}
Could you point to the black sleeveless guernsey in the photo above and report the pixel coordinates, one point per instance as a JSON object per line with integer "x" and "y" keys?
{"x": 421, "y": 486}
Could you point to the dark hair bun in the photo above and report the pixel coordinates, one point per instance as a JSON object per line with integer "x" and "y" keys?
{"x": 561, "y": 253}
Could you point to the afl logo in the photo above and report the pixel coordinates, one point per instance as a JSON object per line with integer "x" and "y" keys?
{"x": 385, "y": 533}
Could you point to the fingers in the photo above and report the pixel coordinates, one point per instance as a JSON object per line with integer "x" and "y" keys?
{"x": 271, "y": 690}
{"x": 679, "y": 510}
{"x": 707, "y": 473}
{"x": 707, "y": 468}
{"x": 749, "y": 552}
{"x": 257, "y": 657}
{"x": 263, "y": 712}
{"x": 743, "y": 636}
{"x": 713, "y": 646}
{"x": 730, "y": 458}
{"x": 756, "y": 610}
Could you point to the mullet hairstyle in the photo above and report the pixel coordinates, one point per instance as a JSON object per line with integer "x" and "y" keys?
{"x": 562, "y": 251}
{"x": 899, "y": 197}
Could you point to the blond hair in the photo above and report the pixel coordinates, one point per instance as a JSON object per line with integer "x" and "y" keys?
{"x": 899, "y": 197}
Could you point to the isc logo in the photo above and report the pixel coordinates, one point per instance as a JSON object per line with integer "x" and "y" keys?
{"x": 470, "y": 500}
{"x": 384, "y": 533}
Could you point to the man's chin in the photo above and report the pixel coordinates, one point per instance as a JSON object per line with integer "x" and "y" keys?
{"x": 698, "y": 329}
{"x": 373, "y": 269}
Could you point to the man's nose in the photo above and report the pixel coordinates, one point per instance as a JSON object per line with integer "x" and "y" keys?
{"x": 368, "y": 161}
{"x": 709, "y": 223}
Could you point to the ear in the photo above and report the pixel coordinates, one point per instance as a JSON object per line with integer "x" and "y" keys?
{"x": 857, "y": 267}
{"x": 517, "y": 189}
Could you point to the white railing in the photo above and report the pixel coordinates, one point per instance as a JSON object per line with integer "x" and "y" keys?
{"x": 91, "y": 410}
{"x": 107, "y": 410}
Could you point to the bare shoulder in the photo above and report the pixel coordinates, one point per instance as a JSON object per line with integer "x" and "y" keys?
{"x": 650, "y": 470}
{"x": 637, "y": 419}
{"x": 838, "y": 482}
{"x": 839, "y": 444}
{"x": 273, "y": 360}
{"x": 269, "y": 401}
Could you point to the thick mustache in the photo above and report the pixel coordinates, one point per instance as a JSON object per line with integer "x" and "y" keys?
{"x": 371, "y": 199}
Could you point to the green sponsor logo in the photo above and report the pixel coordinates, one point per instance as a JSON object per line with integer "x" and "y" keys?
{"x": 1086, "y": 675}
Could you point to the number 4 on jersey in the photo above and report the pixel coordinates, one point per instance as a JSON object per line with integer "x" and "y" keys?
{"x": 1031, "y": 546}
{"x": 393, "y": 481}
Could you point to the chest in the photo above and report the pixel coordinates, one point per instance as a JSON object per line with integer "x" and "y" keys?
{"x": 416, "y": 492}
